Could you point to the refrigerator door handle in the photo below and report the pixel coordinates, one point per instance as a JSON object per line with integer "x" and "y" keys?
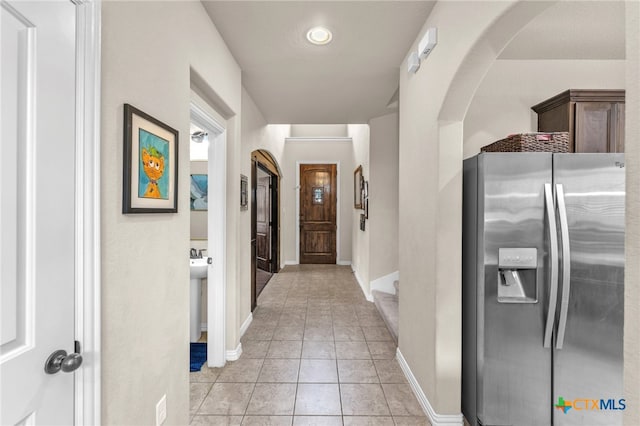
{"x": 553, "y": 264}
{"x": 566, "y": 265}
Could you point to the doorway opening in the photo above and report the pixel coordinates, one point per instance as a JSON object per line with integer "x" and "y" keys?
{"x": 208, "y": 225}
{"x": 265, "y": 221}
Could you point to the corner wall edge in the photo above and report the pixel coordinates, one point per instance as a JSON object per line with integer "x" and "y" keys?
{"x": 435, "y": 418}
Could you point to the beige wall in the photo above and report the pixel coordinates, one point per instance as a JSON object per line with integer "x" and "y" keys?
{"x": 147, "y": 51}
{"x": 360, "y": 135}
{"x": 319, "y": 131}
{"x": 375, "y": 251}
{"x": 383, "y": 196}
{"x": 317, "y": 151}
{"x": 632, "y": 245}
{"x": 502, "y": 104}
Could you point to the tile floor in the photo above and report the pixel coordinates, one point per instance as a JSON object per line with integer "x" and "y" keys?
{"x": 316, "y": 353}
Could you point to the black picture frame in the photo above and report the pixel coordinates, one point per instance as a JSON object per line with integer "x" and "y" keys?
{"x": 150, "y": 164}
{"x": 366, "y": 208}
{"x": 358, "y": 185}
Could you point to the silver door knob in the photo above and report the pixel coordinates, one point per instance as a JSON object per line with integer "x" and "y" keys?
{"x": 59, "y": 360}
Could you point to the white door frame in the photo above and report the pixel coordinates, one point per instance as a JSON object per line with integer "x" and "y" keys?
{"x": 87, "y": 257}
{"x": 337, "y": 163}
{"x": 216, "y": 235}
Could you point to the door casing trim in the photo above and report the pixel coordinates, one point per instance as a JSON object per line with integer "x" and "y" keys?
{"x": 87, "y": 395}
{"x": 337, "y": 163}
{"x": 217, "y": 225}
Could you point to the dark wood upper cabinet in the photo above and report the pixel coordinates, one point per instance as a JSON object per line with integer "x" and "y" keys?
{"x": 593, "y": 118}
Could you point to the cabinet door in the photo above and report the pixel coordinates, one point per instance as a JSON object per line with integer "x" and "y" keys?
{"x": 617, "y": 140}
{"x": 594, "y": 126}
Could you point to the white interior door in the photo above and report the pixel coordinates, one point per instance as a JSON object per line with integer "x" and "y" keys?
{"x": 37, "y": 223}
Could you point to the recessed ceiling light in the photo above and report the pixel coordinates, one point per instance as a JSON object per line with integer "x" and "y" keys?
{"x": 319, "y": 35}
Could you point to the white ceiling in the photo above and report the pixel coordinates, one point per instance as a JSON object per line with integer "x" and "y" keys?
{"x": 354, "y": 78}
{"x": 350, "y": 80}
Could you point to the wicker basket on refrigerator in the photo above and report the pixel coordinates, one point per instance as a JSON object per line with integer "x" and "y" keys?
{"x": 531, "y": 142}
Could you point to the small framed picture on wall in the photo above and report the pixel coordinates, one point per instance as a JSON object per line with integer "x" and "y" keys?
{"x": 357, "y": 188}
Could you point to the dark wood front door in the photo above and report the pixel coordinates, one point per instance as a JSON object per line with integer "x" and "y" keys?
{"x": 318, "y": 213}
{"x": 263, "y": 223}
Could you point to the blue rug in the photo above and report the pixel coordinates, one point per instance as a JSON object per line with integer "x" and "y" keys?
{"x": 198, "y": 356}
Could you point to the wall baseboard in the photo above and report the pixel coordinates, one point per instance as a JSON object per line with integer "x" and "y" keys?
{"x": 339, "y": 262}
{"x": 203, "y": 326}
{"x": 234, "y": 354}
{"x": 360, "y": 282}
{"x": 435, "y": 418}
{"x": 246, "y": 324}
{"x": 385, "y": 284}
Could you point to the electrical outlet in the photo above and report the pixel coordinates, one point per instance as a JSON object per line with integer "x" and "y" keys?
{"x": 161, "y": 410}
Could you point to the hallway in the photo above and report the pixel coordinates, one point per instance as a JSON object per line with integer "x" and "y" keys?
{"x": 317, "y": 353}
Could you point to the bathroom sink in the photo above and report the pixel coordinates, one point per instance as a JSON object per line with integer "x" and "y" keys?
{"x": 198, "y": 267}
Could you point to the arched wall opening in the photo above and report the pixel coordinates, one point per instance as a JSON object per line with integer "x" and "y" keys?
{"x": 265, "y": 220}
{"x": 431, "y": 153}
{"x": 435, "y": 104}
{"x": 603, "y": 73}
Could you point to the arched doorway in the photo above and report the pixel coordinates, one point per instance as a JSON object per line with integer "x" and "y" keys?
{"x": 265, "y": 221}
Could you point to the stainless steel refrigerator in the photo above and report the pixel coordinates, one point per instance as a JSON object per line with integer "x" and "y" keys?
{"x": 543, "y": 289}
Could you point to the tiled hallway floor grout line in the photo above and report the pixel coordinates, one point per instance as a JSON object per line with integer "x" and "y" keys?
{"x": 316, "y": 318}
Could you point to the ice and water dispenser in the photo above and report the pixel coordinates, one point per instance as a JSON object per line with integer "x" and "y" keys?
{"x": 517, "y": 275}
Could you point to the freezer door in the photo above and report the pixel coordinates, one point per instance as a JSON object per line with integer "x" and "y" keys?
{"x": 514, "y": 369}
{"x": 588, "y": 367}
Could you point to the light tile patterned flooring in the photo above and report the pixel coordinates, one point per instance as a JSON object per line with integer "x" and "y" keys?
{"x": 316, "y": 353}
